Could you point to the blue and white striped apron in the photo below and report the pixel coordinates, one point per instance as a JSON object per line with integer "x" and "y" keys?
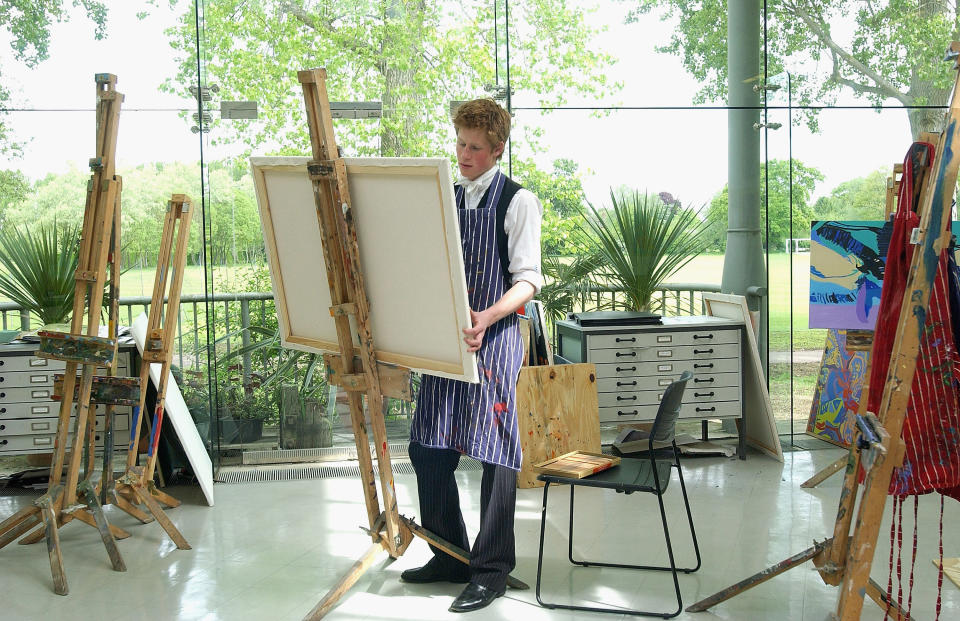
{"x": 479, "y": 420}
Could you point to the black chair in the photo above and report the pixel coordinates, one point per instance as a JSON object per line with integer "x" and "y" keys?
{"x": 643, "y": 474}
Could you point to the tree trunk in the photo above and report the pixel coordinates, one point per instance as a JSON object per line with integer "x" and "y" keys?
{"x": 922, "y": 91}
{"x": 399, "y": 63}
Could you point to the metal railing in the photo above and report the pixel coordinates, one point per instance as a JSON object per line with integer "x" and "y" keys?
{"x": 233, "y": 325}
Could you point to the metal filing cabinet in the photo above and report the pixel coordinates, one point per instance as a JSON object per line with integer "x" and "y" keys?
{"x": 636, "y": 363}
{"x": 28, "y": 416}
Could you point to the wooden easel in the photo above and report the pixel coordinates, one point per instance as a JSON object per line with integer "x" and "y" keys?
{"x": 59, "y": 505}
{"x": 846, "y": 558}
{"x": 356, "y": 368}
{"x": 136, "y": 485}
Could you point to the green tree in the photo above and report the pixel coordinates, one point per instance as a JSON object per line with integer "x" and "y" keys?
{"x": 891, "y": 50}
{"x": 561, "y": 194}
{"x": 413, "y": 56}
{"x": 805, "y": 179}
{"x": 14, "y": 188}
{"x": 28, "y": 24}
{"x": 863, "y": 198}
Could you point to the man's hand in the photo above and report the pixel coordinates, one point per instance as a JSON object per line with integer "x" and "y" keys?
{"x": 474, "y": 336}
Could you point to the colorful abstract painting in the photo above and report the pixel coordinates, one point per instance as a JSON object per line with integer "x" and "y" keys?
{"x": 837, "y": 394}
{"x": 846, "y": 272}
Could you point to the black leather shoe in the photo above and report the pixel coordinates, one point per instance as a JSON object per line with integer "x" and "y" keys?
{"x": 435, "y": 572}
{"x": 474, "y": 597}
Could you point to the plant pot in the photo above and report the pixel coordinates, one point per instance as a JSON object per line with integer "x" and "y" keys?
{"x": 249, "y": 429}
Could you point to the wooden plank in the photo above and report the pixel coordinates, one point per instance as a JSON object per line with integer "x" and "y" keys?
{"x": 106, "y": 389}
{"x": 76, "y": 348}
{"x": 557, "y": 413}
{"x": 349, "y": 579}
{"x": 577, "y": 464}
{"x": 826, "y": 473}
{"x": 758, "y": 578}
{"x": 395, "y": 382}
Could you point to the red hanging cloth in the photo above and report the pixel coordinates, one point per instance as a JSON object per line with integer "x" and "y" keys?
{"x": 931, "y": 429}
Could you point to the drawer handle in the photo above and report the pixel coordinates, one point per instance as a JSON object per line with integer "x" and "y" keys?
{"x": 632, "y": 339}
{"x": 632, "y": 398}
{"x": 706, "y": 365}
{"x": 711, "y": 409}
{"x": 702, "y": 336}
{"x": 703, "y": 351}
{"x": 633, "y": 353}
{"x": 1, "y": 379}
{"x": 633, "y": 413}
{"x": 3, "y": 442}
{"x": 633, "y": 383}
{"x": 3, "y": 410}
{"x": 704, "y": 394}
{"x": 2, "y": 427}
{"x": 698, "y": 380}
{"x": 619, "y": 369}
{"x": 2, "y": 395}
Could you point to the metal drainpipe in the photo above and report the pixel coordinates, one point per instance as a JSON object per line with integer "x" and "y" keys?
{"x": 743, "y": 265}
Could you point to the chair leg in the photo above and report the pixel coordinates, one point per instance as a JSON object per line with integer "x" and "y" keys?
{"x": 543, "y": 529}
{"x": 673, "y": 564}
{"x": 693, "y": 532}
{"x": 620, "y": 611}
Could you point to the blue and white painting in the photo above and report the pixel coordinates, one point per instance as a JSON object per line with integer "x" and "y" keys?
{"x": 846, "y": 272}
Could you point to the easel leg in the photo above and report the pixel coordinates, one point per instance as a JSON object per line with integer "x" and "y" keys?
{"x": 86, "y": 489}
{"x": 53, "y": 547}
{"x": 826, "y": 473}
{"x": 759, "y": 578}
{"x": 351, "y": 577}
{"x": 878, "y": 595}
{"x": 17, "y": 524}
{"x": 147, "y": 499}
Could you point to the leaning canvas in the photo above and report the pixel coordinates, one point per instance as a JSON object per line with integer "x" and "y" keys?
{"x": 409, "y": 240}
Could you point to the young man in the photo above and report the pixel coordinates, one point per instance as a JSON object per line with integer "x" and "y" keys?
{"x": 500, "y": 236}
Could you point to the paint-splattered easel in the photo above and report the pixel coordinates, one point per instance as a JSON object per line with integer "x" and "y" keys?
{"x": 98, "y": 244}
{"x": 356, "y": 368}
{"x": 136, "y": 485}
{"x": 846, "y": 558}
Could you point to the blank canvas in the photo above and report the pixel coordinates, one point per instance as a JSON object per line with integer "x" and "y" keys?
{"x": 409, "y": 240}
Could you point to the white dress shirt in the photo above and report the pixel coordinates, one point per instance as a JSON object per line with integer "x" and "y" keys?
{"x": 521, "y": 224}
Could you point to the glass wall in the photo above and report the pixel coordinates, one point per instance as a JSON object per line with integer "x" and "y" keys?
{"x": 605, "y": 96}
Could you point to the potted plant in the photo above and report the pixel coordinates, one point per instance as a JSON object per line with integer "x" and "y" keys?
{"x": 639, "y": 242}
{"x": 38, "y": 269}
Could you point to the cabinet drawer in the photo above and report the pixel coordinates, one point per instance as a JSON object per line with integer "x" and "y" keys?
{"x": 44, "y": 443}
{"x": 13, "y": 364}
{"x": 646, "y": 413}
{"x": 46, "y": 409}
{"x": 653, "y": 354}
{"x": 26, "y": 394}
{"x": 699, "y": 381}
{"x": 671, "y": 368}
{"x": 25, "y": 427}
{"x": 659, "y": 339}
{"x": 653, "y": 397}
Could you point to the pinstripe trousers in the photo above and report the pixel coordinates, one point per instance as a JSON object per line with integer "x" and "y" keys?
{"x": 493, "y": 555}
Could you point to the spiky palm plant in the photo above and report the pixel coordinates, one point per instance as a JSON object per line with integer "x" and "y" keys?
{"x": 37, "y": 268}
{"x": 640, "y": 242}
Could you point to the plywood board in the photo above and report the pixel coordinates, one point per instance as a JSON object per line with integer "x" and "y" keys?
{"x": 410, "y": 254}
{"x": 557, "y": 413}
{"x": 176, "y": 412}
{"x": 761, "y": 428}
{"x": 577, "y": 464}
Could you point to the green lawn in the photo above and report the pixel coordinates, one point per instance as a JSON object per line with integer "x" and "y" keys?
{"x": 709, "y": 269}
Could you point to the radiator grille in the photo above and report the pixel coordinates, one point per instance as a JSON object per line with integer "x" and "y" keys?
{"x": 295, "y": 472}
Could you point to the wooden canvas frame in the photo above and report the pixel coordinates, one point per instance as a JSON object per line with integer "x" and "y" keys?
{"x": 411, "y": 258}
{"x": 761, "y": 428}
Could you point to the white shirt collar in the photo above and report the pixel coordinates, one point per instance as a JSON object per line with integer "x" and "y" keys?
{"x": 479, "y": 185}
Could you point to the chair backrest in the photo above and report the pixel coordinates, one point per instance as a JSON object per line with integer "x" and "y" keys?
{"x": 669, "y": 410}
